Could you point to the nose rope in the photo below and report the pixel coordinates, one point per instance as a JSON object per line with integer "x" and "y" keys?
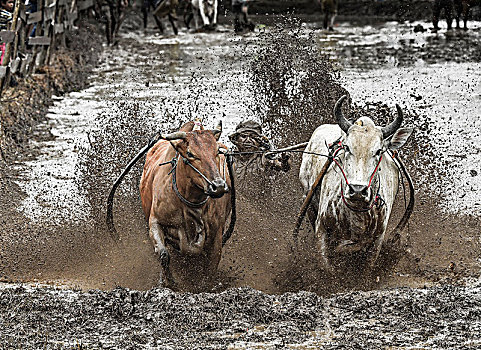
{"x": 375, "y": 171}
{"x": 186, "y": 161}
{"x": 378, "y": 201}
{"x": 173, "y": 171}
{"x": 182, "y": 198}
{"x": 173, "y": 162}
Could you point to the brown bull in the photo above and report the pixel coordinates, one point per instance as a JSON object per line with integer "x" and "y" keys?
{"x": 166, "y": 8}
{"x": 187, "y": 201}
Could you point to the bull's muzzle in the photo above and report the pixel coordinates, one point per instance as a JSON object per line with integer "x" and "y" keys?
{"x": 358, "y": 193}
{"x": 348, "y": 247}
{"x": 217, "y": 188}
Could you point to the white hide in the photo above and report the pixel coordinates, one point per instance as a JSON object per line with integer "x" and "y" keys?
{"x": 207, "y": 10}
{"x": 336, "y": 223}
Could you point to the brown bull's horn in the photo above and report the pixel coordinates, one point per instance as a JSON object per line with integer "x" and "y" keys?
{"x": 344, "y": 124}
{"x": 390, "y": 129}
{"x": 174, "y": 136}
{"x": 218, "y": 128}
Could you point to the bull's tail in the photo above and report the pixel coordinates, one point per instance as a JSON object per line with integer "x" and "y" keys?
{"x": 110, "y": 200}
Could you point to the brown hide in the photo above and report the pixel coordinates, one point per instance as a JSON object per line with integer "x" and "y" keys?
{"x": 166, "y": 7}
{"x": 181, "y": 224}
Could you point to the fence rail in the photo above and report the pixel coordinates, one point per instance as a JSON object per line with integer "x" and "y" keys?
{"x": 32, "y": 37}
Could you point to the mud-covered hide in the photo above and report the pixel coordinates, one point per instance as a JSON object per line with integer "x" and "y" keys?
{"x": 350, "y": 228}
{"x": 187, "y": 216}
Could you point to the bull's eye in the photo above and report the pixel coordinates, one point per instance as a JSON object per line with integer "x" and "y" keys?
{"x": 189, "y": 155}
{"x": 347, "y": 149}
{"x": 378, "y": 152}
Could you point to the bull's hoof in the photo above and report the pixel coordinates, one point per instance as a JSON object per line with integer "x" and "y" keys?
{"x": 164, "y": 258}
{"x": 166, "y": 280}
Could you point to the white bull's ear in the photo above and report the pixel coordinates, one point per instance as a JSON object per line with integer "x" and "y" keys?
{"x": 399, "y": 138}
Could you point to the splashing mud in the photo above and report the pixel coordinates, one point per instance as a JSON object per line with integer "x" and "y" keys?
{"x": 280, "y": 77}
{"x": 288, "y": 78}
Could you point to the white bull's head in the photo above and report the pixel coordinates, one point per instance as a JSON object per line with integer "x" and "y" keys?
{"x": 364, "y": 146}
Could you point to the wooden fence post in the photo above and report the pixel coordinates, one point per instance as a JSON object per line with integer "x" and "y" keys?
{"x": 51, "y": 18}
{"x": 8, "y": 49}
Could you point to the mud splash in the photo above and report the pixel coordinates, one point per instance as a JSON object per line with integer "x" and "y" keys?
{"x": 221, "y": 76}
{"x": 171, "y": 79}
{"x": 438, "y": 318}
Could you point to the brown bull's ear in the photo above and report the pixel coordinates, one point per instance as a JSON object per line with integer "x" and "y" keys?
{"x": 174, "y": 138}
{"x": 399, "y": 138}
{"x": 176, "y": 143}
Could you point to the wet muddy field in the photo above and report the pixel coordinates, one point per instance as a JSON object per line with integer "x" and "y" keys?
{"x": 68, "y": 284}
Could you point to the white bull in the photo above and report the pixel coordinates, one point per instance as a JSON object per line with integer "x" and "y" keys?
{"x": 207, "y": 9}
{"x": 358, "y": 190}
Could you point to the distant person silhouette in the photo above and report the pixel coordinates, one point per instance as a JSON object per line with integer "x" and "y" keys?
{"x": 448, "y": 7}
{"x": 240, "y": 8}
{"x": 329, "y": 9}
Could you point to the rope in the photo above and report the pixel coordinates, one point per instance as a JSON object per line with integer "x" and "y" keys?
{"x": 233, "y": 213}
{"x": 110, "y": 201}
{"x": 307, "y": 201}
{"x": 182, "y": 198}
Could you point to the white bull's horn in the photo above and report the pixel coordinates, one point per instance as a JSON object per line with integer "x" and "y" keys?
{"x": 174, "y": 136}
{"x": 390, "y": 129}
{"x": 344, "y": 124}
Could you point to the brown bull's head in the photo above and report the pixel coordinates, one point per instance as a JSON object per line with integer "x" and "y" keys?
{"x": 364, "y": 145}
{"x": 199, "y": 150}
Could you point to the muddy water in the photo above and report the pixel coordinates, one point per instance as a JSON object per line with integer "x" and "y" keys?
{"x": 205, "y": 75}
{"x": 150, "y": 82}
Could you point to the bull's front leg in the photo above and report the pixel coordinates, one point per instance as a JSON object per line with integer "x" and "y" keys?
{"x": 157, "y": 237}
{"x": 374, "y": 254}
{"x": 322, "y": 241}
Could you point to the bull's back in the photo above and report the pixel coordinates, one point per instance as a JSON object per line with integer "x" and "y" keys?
{"x": 156, "y": 156}
{"x": 312, "y": 164}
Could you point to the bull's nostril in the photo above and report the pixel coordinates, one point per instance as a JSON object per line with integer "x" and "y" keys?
{"x": 351, "y": 190}
{"x": 364, "y": 192}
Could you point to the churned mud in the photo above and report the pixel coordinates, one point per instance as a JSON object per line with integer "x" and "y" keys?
{"x": 242, "y": 318}
{"x": 288, "y": 78}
